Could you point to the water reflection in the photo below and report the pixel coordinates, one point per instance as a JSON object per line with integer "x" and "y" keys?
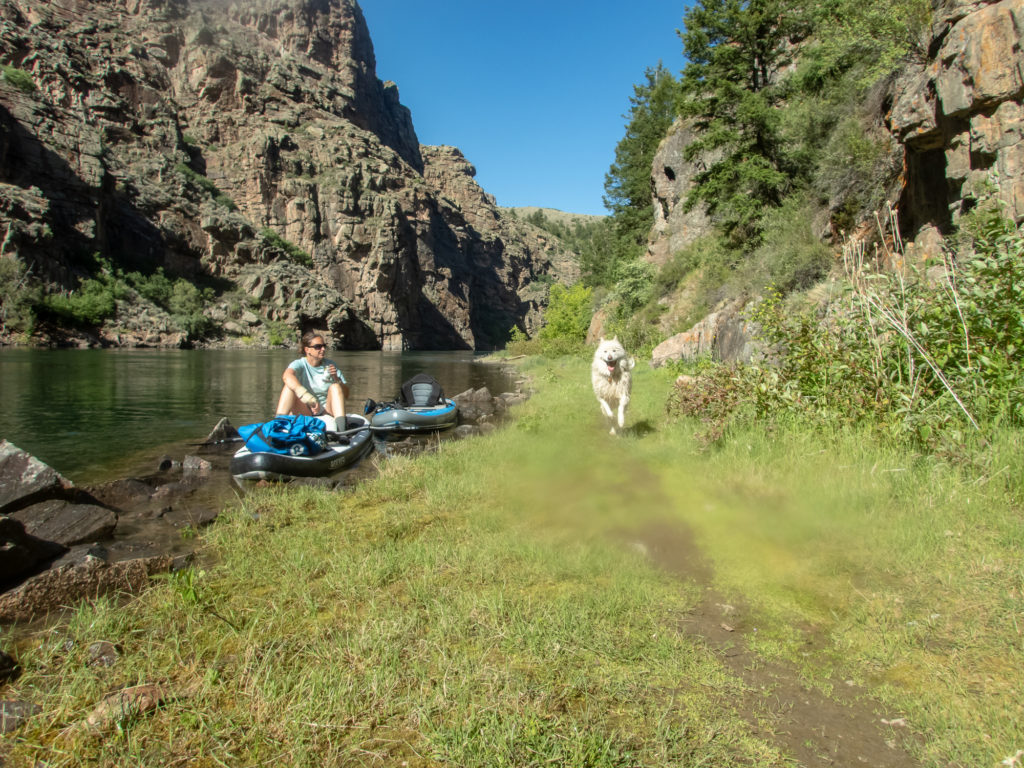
{"x": 95, "y": 414}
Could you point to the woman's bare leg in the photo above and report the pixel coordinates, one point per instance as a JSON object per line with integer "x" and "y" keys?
{"x": 336, "y": 402}
{"x": 290, "y": 405}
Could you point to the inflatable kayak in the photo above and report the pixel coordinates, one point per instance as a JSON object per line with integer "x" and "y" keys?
{"x": 342, "y": 451}
{"x": 419, "y": 407}
{"x": 415, "y": 418}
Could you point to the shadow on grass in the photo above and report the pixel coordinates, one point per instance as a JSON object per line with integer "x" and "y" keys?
{"x": 641, "y": 429}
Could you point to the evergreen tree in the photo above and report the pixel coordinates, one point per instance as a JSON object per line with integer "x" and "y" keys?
{"x": 735, "y": 50}
{"x": 655, "y": 104}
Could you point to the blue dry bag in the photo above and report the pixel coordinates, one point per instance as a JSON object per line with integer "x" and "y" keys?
{"x": 294, "y": 435}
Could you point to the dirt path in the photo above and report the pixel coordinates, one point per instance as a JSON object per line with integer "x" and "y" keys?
{"x": 847, "y": 729}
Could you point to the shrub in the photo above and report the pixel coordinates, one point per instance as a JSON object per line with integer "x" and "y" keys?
{"x": 928, "y": 359}
{"x": 568, "y": 313}
{"x": 296, "y": 254}
{"x": 791, "y": 256}
{"x": 156, "y": 287}
{"x": 18, "y": 78}
{"x": 18, "y": 295}
{"x": 186, "y": 306}
{"x": 92, "y": 303}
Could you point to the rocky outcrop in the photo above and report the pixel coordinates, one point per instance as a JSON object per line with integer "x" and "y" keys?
{"x": 725, "y": 334}
{"x": 957, "y": 124}
{"x": 68, "y": 584}
{"x": 672, "y": 178}
{"x": 250, "y": 148}
{"x": 960, "y": 115}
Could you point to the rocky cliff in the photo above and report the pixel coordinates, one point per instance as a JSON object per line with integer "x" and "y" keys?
{"x": 251, "y": 148}
{"x": 953, "y": 123}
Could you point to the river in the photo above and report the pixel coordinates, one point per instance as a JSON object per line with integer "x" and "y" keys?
{"x": 98, "y": 414}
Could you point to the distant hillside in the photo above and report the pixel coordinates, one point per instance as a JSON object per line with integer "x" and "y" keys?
{"x": 554, "y": 215}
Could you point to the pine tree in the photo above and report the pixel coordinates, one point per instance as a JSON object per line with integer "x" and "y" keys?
{"x": 655, "y": 104}
{"x": 735, "y": 51}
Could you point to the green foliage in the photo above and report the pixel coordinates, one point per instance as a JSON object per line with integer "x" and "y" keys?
{"x": 600, "y": 253}
{"x": 791, "y": 255}
{"x": 179, "y": 297}
{"x": 186, "y": 305}
{"x": 628, "y": 182}
{"x": 156, "y": 287}
{"x": 296, "y": 254}
{"x": 736, "y": 52}
{"x": 869, "y": 39}
{"x": 634, "y": 282}
{"x": 710, "y": 268}
{"x": 204, "y": 183}
{"x": 92, "y": 302}
{"x": 280, "y": 334}
{"x": 568, "y": 313}
{"x": 18, "y": 297}
{"x": 925, "y": 360}
{"x": 18, "y": 78}
{"x": 564, "y": 330}
{"x": 655, "y": 105}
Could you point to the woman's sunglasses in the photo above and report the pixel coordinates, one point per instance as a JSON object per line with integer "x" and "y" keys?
{"x": 318, "y": 346}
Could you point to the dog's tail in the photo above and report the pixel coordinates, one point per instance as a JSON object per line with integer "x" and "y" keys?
{"x": 628, "y": 364}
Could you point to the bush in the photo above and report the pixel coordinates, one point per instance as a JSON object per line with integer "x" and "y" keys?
{"x": 186, "y": 306}
{"x": 568, "y": 313}
{"x": 928, "y": 359}
{"x": 18, "y": 78}
{"x": 156, "y": 287}
{"x": 791, "y": 256}
{"x": 296, "y": 254}
{"x": 91, "y": 304}
{"x": 18, "y": 296}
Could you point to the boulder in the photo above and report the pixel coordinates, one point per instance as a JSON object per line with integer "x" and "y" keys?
{"x": 475, "y": 404}
{"x": 724, "y": 335}
{"x": 66, "y": 585}
{"x": 21, "y": 553}
{"x": 24, "y": 479}
{"x": 67, "y": 523}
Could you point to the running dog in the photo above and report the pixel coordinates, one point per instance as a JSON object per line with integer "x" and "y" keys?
{"x": 612, "y": 380}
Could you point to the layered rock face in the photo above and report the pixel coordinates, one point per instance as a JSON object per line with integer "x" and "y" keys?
{"x": 960, "y": 116}
{"x": 957, "y": 124}
{"x": 250, "y": 147}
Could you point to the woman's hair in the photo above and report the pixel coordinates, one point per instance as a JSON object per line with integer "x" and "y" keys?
{"x": 307, "y": 339}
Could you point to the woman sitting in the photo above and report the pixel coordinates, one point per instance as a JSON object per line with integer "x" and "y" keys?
{"x": 313, "y": 385}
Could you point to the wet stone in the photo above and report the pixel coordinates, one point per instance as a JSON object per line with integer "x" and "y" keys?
{"x": 13, "y": 714}
{"x": 103, "y": 654}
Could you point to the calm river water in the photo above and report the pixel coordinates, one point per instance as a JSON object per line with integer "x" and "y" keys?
{"x": 97, "y": 414}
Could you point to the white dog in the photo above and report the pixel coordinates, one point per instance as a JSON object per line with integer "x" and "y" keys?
{"x": 612, "y": 380}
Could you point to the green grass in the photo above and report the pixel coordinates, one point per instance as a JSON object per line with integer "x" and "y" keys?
{"x": 483, "y": 606}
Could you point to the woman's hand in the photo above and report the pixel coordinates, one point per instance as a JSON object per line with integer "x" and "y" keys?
{"x": 332, "y": 372}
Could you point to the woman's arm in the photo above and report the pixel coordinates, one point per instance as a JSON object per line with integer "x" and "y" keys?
{"x": 291, "y": 380}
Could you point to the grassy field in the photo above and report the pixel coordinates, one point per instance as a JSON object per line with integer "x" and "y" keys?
{"x": 528, "y": 598}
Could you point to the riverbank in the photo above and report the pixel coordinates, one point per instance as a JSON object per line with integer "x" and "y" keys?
{"x": 547, "y": 593}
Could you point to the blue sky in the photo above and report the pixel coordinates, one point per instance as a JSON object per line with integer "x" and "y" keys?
{"x": 533, "y": 93}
